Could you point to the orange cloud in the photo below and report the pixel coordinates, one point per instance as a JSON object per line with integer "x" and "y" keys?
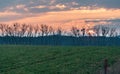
{"x": 8, "y": 13}
{"x": 20, "y": 6}
{"x": 58, "y": 6}
{"x": 40, "y": 6}
{"x": 62, "y": 16}
{"x": 70, "y": 17}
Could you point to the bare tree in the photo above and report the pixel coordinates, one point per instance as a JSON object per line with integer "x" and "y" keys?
{"x": 59, "y": 31}
{"x": 23, "y": 29}
{"x": 30, "y": 31}
{"x": 105, "y": 30}
{"x": 112, "y": 32}
{"x": 83, "y": 31}
{"x": 51, "y": 31}
{"x": 89, "y": 34}
{"x": 9, "y": 31}
{"x": 44, "y": 30}
{"x": 97, "y": 29}
{"x": 2, "y": 28}
{"x": 75, "y": 31}
{"x": 36, "y": 30}
{"x": 16, "y": 27}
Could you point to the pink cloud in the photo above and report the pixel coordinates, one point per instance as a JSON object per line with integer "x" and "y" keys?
{"x": 9, "y": 13}
{"x": 66, "y": 17}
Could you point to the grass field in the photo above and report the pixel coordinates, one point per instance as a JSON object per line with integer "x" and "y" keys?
{"x": 55, "y": 60}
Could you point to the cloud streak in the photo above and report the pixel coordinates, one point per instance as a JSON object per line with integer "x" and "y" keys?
{"x": 60, "y": 11}
{"x": 62, "y": 17}
{"x": 93, "y": 14}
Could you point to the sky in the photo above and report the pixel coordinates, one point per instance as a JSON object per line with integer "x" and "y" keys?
{"x": 61, "y": 12}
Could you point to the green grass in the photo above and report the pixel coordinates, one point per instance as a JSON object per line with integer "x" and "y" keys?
{"x": 55, "y": 60}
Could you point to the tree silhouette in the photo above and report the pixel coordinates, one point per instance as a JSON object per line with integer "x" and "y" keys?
{"x": 105, "y": 30}
{"x": 83, "y": 31}
{"x": 75, "y": 31}
{"x": 112, "y": 32}
{"x": 59, "y": 31}
{"x": 23, "y": 29}
{"x": 30, "y": 30}
{"x": 2, "y": 28}
{"x": 97, "y": 29}
{"x": 36, "y": 30}
{"x": 16, "y": 27}
{"x": 44, "y": 30}
{"x": 51, "y": 30}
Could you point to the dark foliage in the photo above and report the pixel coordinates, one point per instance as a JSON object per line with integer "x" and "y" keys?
{"x": 61, "y": 40}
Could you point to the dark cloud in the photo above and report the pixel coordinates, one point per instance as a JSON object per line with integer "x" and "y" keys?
{"x": 68, "y": 3}
{"x": 109, "y": 3}
{"x": 108, "y": 21}
{"x": 100, "y": 3}
{"x": 5, "y": 3}
{"x": 114, "y": 20}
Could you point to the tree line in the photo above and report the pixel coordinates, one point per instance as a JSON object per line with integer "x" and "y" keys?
{"x": 28, "y": 30}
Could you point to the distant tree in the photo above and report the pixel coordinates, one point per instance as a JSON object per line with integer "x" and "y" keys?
{"x": 44, "y": 30}
{"x": 30, "y": 31}
{"x": 75, "y": 31}
{"x": 51, "y": 30}
{"x": 23, "y": 29}
{"x": 83, "y": 31}
{"x": 112, "y": 32}
{"x": 9, "y": 31}
{"x": 36, "y": 30}
{"x": 97, "y": 29}
{"x": 2, "y": 28}
{"x": 59, "y": 31}
{"x": 89, "y": 34}
{"x": 105, "y": 30}
{"x": 16, "y": 27}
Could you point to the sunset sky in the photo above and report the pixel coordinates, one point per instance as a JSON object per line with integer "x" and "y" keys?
{"x": 60, "y": 12}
